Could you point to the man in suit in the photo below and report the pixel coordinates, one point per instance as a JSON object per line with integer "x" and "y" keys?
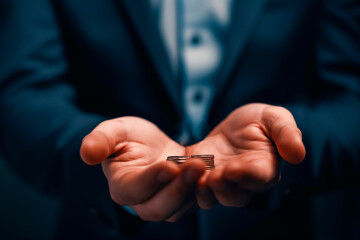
{"x": 69, "y": 68}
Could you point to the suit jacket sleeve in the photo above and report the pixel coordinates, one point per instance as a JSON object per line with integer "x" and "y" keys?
{"x": 41, "y": 125}
{"x": 330, "y": 123}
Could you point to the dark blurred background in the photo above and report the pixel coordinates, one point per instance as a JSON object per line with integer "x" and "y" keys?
{"x": 24, "y": 212}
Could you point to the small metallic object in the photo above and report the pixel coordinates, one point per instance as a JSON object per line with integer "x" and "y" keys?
{"x": 179, "y": 160}
{"x": 208, "y": 159}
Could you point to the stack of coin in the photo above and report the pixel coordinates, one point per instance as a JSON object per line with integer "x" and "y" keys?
{"x": 179, "y": 160}
{"x": 208, "y": 159}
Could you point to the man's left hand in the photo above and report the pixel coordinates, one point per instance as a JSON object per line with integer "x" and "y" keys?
{"x": 247, "y": 145}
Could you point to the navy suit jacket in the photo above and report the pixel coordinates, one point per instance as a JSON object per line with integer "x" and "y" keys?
{"x": 67, "y": 65}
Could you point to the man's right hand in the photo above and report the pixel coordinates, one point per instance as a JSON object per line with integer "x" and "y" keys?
{"x": 133, "y": 154}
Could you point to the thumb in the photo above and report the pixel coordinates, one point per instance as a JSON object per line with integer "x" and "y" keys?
{"x": 282, "y": 128}
{"x": 94, "y": 148}
{"x": 101, "y": 142}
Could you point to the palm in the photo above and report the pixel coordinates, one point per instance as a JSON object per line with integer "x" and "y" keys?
{"x": 144, "y": 144}
{"x": 246, "y": 145}
{"x": 133, "y": 154}
{"x": 240, "y": 137}
{"x": 253, "y": 149}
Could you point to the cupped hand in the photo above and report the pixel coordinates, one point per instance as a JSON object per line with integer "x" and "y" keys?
{"x": 247, "y": 145}
{"x": 133, "y": 154}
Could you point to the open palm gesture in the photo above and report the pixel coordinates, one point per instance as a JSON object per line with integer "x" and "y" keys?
{"x": 246, "y": 146}
{"x": 133, "y": 153}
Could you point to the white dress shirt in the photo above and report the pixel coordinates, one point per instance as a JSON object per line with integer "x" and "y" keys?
{"x": 193, "y": 34}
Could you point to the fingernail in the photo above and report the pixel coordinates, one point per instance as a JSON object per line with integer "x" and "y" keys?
{"x": 165, "y": 176}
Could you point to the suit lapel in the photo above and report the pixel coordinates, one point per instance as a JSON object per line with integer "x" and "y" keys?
{"x": 145, "y": 24}
{"x": 245, "y": 17}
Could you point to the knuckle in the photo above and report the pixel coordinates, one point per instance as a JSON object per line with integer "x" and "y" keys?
{"x": 272, "y": 113}
{"x": 278, "y": 110}
{"x": 269, "y": 112}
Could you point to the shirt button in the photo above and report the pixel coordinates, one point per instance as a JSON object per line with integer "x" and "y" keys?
{"x": 195, "y": 39}
{"x": 198, "y": 97}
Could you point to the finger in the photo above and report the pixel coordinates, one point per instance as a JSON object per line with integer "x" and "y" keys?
{"x": 226, "y": 192}
{"x": 282, "y": 129}
{"x": 166, "y": 202}
{"x": 102, "y": 141}
{"x": 186, "y": 208}
{"x": 136, "y": 187}
{"x": 253, "y": 176}
{"x": 204, "y": 196}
